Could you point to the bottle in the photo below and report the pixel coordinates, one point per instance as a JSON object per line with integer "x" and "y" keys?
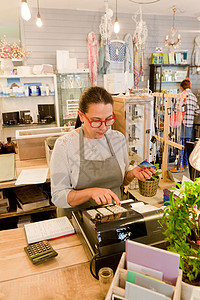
{"x": 10, "y": 146}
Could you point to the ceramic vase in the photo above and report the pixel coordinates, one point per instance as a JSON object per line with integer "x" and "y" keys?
{"x": 7, "y": 66}
{"x": 190, "y": 292}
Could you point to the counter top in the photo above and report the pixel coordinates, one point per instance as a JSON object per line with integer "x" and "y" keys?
{"x": 66, "y": 276}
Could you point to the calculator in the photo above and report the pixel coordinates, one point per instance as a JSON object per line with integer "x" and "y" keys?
{"x": 40, "y": 252}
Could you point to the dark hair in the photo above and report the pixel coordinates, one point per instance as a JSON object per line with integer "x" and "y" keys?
{"x": 186, "y": 84}
{"x": 91, "y": 95}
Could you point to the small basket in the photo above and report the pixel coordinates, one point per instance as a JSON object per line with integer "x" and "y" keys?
{"x": 148, "y": 188}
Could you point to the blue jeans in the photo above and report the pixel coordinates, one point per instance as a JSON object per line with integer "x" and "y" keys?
{"x": 186, "y": 136}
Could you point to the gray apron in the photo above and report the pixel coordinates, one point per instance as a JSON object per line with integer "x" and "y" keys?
{"x": 96, "y": 173}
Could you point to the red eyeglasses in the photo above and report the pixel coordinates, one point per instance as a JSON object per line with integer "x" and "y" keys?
{"x": 98, "y": 123}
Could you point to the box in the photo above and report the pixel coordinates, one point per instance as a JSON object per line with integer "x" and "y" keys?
{"x": 117, "y": 286}
{"x": 118, "y": 82}
{"x": 31, "y": 142}
{"x": 8, "y": 167}
{"x": 49, "y": 144}
{"x": 61, "y": 57}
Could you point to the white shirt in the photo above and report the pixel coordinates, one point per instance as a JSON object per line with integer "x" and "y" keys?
{"x": 65, "y": 160}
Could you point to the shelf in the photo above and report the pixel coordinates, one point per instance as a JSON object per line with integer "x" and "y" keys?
{"x": 25, "y": 97}
{"x": 73, "y": 88}
{"x": 158, "y": 82}
{"x": 170, "y": 65}
{"x": 11, "y": 214}
{"x": 74, "y": 72}
{"x": 29, "y": 125}
{"x": 28, "y": 76}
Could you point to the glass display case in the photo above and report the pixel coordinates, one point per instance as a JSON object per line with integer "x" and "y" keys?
{"x": 135, "y": 120}
{"x": 166, "y": 78}
{"x": 70, "y": 87}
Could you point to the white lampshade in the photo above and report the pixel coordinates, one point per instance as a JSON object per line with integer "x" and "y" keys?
{"x": 25, "y": 11}
{"x": 194, "y": 158}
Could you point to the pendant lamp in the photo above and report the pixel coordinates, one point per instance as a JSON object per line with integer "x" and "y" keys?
{"x": 116, "y": 25}
{"x": 25, "y": 11}
{"x": 38, "y": 21}
{"x": 194, "y": 158}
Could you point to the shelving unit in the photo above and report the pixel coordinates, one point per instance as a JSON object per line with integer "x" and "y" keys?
{"x": 6, "y": 186}
{"x": 70, "y": 87}
{"x": 13, "y": 104}
{"x": 166, "y": 78}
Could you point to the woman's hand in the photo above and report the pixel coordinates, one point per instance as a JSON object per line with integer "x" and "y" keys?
{"x": 104, "y": 196}
{"x": 141, "y": 174}
{"x": 145, "y": 173}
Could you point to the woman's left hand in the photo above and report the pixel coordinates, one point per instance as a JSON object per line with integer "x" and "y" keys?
{"x": 142, "y": 174}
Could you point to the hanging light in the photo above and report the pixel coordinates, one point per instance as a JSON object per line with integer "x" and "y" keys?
{"x": 171, "y": 40}
{"x": 38, "y": 21}
{"x": 144, "y": 1}
{"x": 194, "y": 157}
{"x": 116, "y": 25}
{"x": 25, "y": 11}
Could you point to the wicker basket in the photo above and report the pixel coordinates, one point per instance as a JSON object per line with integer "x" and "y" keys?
{"x": 148, "y": 188}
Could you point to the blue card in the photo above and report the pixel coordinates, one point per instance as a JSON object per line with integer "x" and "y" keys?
{"x": 146, "y": 164}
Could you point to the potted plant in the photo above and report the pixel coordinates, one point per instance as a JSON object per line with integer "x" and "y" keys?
{"x": 148, "y": 188}
{"x": 181, "y": 232}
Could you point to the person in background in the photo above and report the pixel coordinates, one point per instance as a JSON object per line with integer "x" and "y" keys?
{"x": 90, "y": 163}
{"x": 191, "y": 110}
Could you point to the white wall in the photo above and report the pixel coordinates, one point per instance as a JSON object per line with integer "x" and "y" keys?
{"x": 68, "y": 29}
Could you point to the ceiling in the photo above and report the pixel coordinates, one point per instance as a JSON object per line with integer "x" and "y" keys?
{"x": 10, "y": 8}
{"x": 163, "y": 7}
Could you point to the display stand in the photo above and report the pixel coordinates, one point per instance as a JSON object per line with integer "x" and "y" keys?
{"x": 165, "y": 139}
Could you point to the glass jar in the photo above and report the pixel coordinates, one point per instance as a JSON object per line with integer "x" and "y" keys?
{"x": 105, "y": 279}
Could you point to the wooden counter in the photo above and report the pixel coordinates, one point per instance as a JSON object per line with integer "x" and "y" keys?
{"x": 66, "y": 276}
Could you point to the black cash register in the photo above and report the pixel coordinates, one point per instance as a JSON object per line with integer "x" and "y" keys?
{"x": 104, "y": 230}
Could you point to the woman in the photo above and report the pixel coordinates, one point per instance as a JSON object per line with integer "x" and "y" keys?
{"x": 90, "y": 163}
{"x": 191, "y": 110}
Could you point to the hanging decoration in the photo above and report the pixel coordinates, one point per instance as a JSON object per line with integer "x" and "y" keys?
{"x": 93, "y": 59}
{"x": 106, "y": 26}
{"x": 173, "y": 40}
{"x": 141, "y": 31}
{"x": 140, "y": 36}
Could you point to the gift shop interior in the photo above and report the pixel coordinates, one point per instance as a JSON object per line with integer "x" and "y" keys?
{"x": 145, "y": 55}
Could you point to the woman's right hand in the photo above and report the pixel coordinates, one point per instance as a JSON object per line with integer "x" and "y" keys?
{"x": 104, "y": 196}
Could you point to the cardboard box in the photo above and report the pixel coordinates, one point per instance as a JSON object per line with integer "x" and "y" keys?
{"x": 8, "y": 168}
{"x": 31, "y": 142}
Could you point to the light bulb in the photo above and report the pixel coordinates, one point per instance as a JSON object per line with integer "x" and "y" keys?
{"x": 116, "y": 26}
{"x": 25, "y": 11}
{"x": 39, "y": 22}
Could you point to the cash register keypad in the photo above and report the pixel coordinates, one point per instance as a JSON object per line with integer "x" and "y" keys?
{"x": 104, "y": 211}
{"x": 116, "y": 209}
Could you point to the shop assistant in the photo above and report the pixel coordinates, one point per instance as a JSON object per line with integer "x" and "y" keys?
{"x": 90, "y": 163}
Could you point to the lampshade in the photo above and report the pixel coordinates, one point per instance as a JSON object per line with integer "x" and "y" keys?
{"x": 25, "y": 11}
{"x": 194, "y": 158}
